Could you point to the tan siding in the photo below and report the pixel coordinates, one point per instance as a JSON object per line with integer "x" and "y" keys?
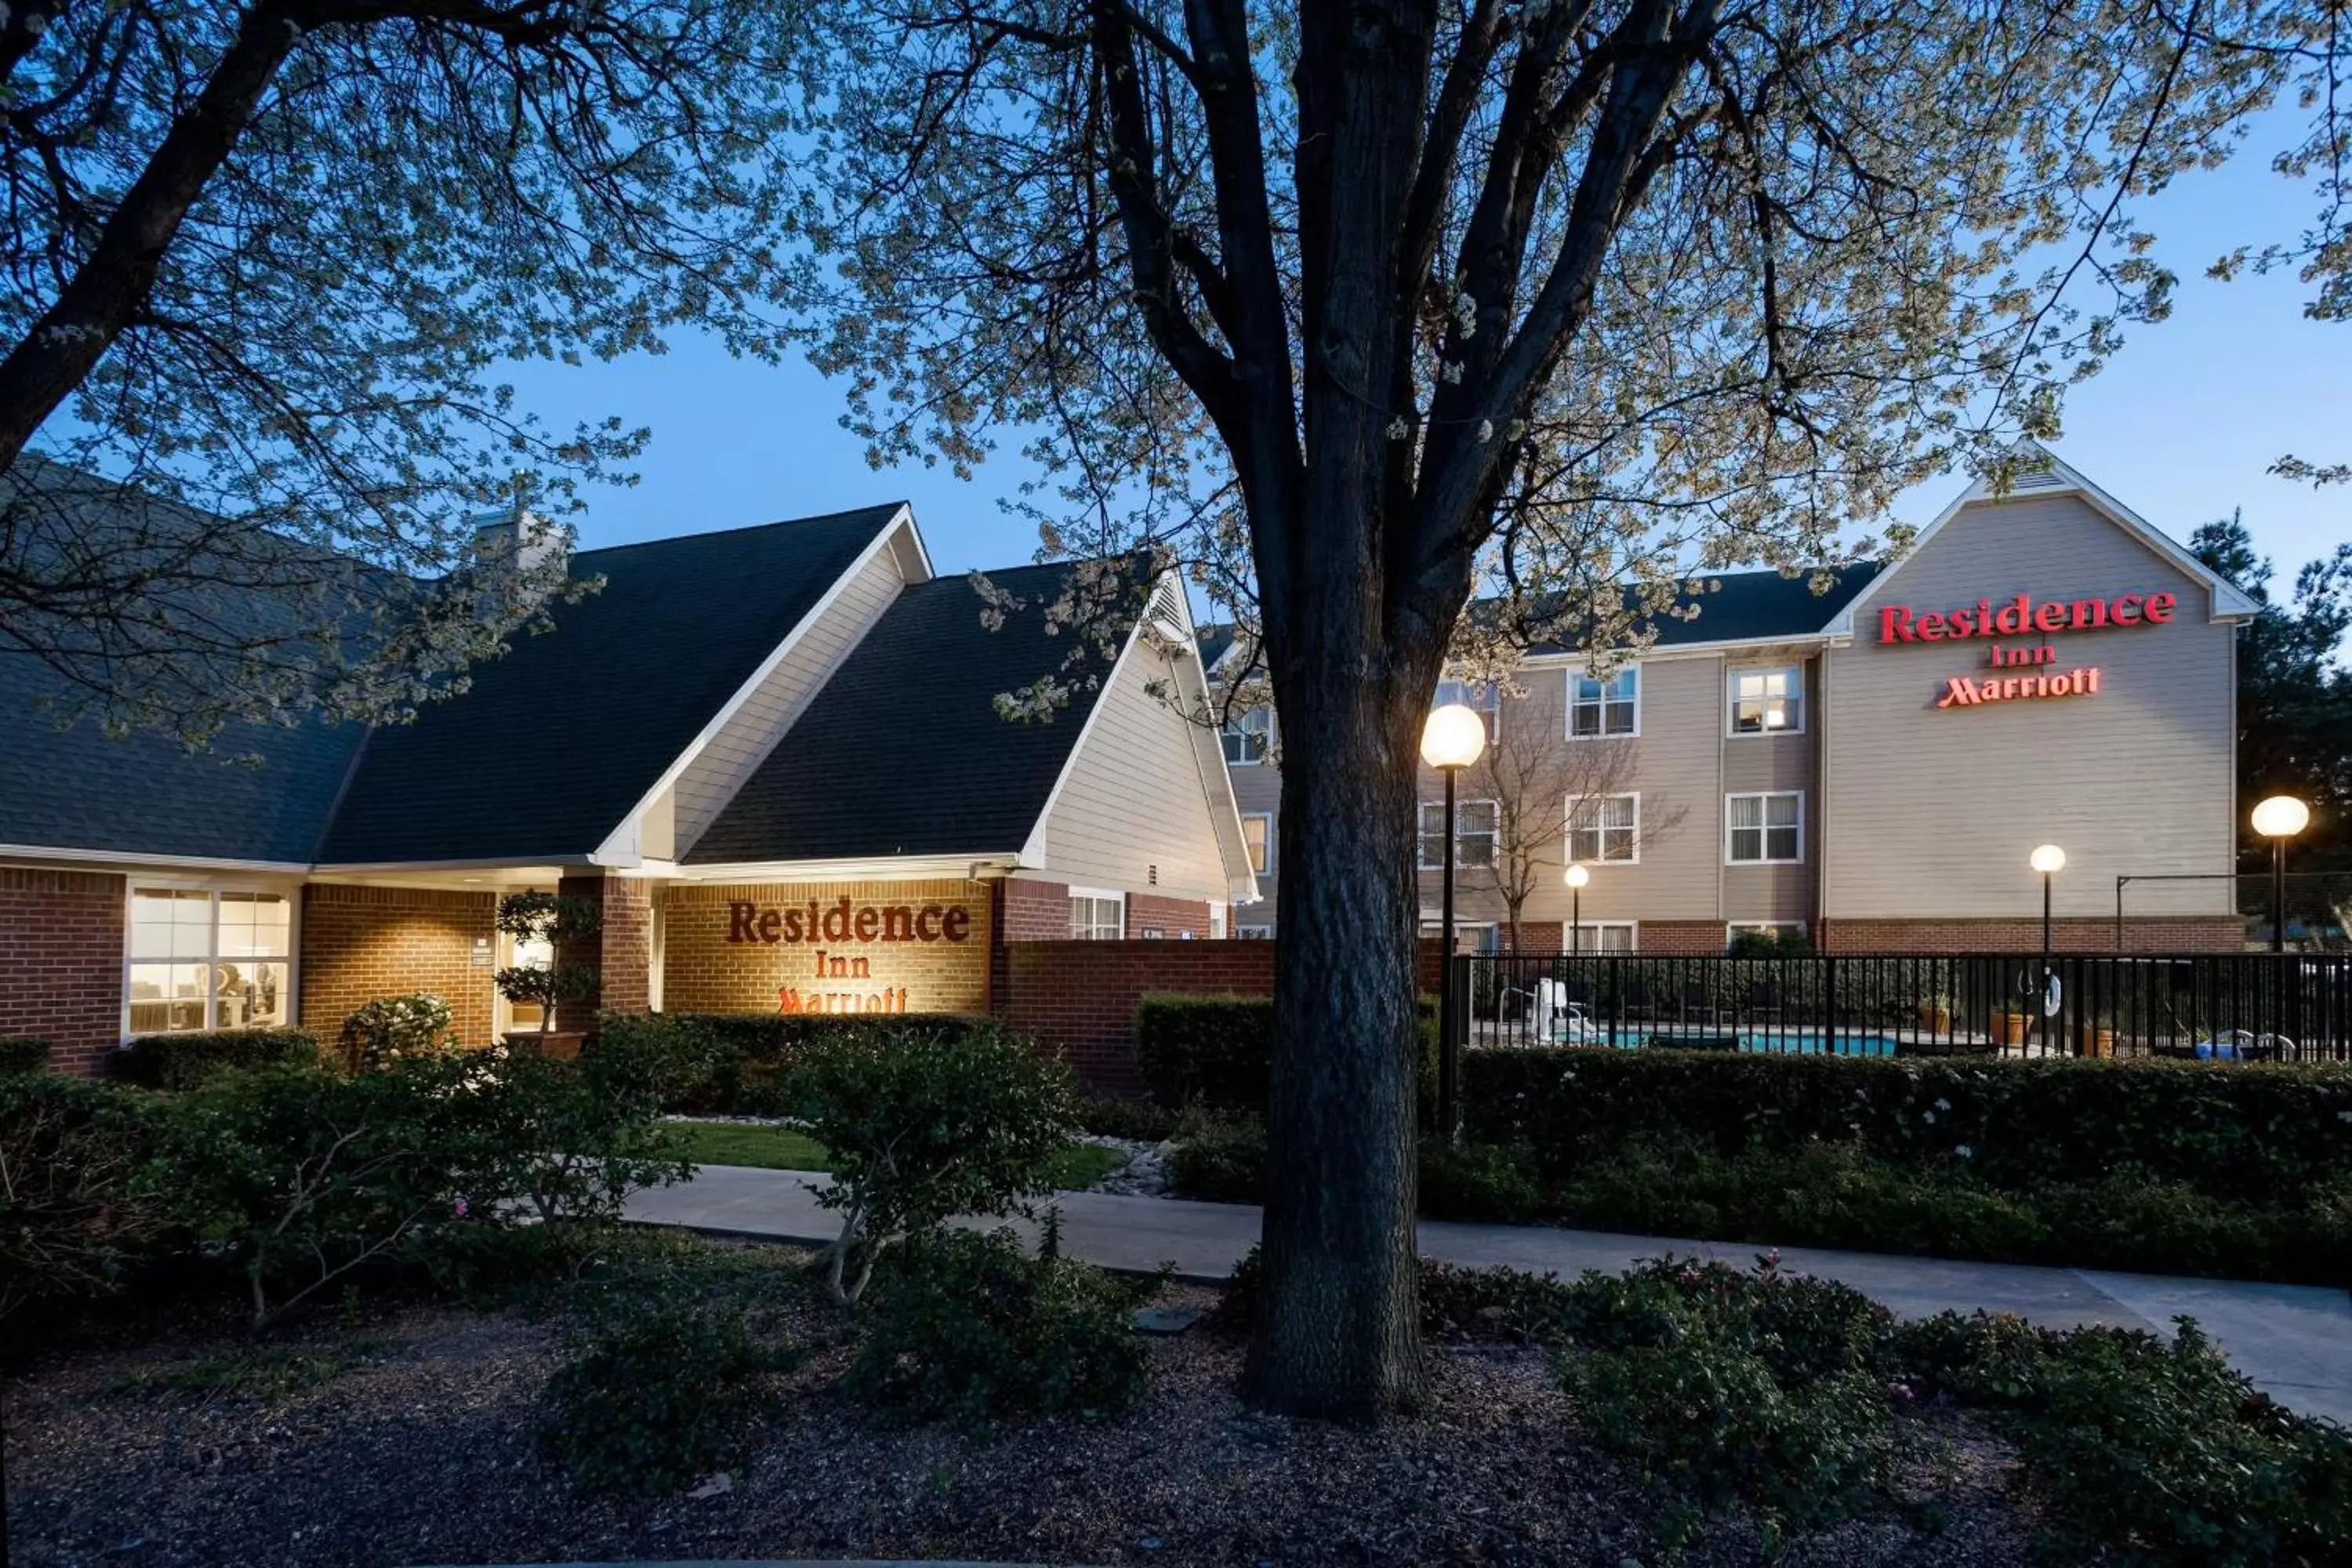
{"x": 1257, "y": 788}
{"x": 1934, "y": 812}
{"x": 1133, "y": 797}
{"x": 1779, "y": 763}
{"x": 740, "y": 747}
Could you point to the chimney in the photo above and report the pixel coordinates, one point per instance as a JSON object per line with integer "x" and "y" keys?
{"x": 520, "y": 538}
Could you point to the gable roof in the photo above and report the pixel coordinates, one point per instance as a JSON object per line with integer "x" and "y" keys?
{"x": 903, "y": 752}
{"x": 1748, "y": 606}
{"x": 556, "y": 741}
{"x": 2043, "y": 473}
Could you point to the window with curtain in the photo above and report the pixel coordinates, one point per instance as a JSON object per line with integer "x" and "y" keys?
{"x": 1477, "y": 833}
{"x": 1768, "y": 701}
{"x": 1604, "y": 827}
{"x": 1764, "y": 829}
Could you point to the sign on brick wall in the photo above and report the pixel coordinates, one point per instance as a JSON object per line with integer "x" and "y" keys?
{"x": 835, "y": 947}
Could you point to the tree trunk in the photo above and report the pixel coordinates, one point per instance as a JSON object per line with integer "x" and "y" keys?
{"x": 1338, "y": 1336}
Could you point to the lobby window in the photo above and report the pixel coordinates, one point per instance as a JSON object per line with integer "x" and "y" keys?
{"x": 1600, "y": 705}
{"x": 1477, "y": 832}
{"x": 202, "y": 959}
{"x": 1483, "y": 696}
{"x": 1764, "y": 829}
{"x": 1257, "y": 837}
{"x": 1768, "y": 701}
{"x": 1097, "y": 917}
{"x": 1604, "y": 827}
{"x": 1247, "y": 737}
{"x": 1598, "y": 936}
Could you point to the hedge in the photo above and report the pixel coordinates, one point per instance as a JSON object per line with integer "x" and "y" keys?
{"x": 19, "y": 1053}
{"x": 1218, "y": 1050}
{"x": 2263, "y": 1133}
{"x": 182, "y": 1061}
{"x": 752, "y": 1050}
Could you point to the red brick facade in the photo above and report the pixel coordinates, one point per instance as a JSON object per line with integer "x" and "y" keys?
{"x": 1172, "y": 918}
{"x": 362, "y": 943}
{"x": 1034, "y": 911}
{"x": 1078, "y": 997}
{"x": 61, "y": 961}
{"x": 2142, "y": 933}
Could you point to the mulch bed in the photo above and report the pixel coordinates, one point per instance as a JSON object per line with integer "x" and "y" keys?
{"x": 409, "y": 1438}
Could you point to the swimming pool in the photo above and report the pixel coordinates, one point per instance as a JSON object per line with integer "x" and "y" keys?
{"x": 1777, "y": 1041}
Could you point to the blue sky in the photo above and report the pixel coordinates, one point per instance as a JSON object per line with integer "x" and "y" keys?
{"x": 2180, "y": 426}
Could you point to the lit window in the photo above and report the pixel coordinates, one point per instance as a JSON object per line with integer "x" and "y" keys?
{"x": 1254, "y": 933}
{"x": 1764, "y": 829}
{"x": 1483, "y": 696}
{"x": 206, "y": 960}
{"x": 1257, "y": 836}
{"x": 1599, "y": 936}
{"x": 1604, "y": 827}
{"x": 1477, "y": 831}
{"x": 1247, "y": 737}
{"x": 1606, "y": 704}
{"x": 1097, "y": 917}
{"x": 1768, "y": 701}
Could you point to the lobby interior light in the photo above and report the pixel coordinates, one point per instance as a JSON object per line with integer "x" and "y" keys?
{"x": 2280, "y": 816}
{"x": 1577, "y": 876}
{"x": 1454, "y": 737}
{"x": 2049, "y": 858}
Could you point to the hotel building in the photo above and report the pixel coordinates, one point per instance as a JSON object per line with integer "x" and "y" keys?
{"x": 1871, "y": 766}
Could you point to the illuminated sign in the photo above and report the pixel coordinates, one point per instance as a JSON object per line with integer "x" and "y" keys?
{"x": 817, "y": 986}
{"x": 2021, "y": 616}
{"x": 1959, "y": 692}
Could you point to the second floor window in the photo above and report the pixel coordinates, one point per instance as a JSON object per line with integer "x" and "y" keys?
{"x": 1764, "y": 829}
{"x": 1257, "y": 837}
{"x": 1247, "y": 736}
{"x": 1768, "y": 701}
{"x": 1604, "y": 827}
{"x": 1477, "y": 832}
{"x": 1605, "y": 704}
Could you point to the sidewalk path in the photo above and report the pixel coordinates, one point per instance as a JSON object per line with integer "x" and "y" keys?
{"x": 2294, "y": 1341}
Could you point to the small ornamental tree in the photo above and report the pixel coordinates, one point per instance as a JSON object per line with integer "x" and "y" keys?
{"x": 533, "y": 919}
{"x": 926, "y": 1124}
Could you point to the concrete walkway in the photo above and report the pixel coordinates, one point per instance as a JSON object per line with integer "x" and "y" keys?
{"x": 2294, "y": 1341}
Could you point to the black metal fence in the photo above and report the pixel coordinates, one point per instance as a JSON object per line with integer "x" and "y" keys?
{"x": 2207, "y": 1007}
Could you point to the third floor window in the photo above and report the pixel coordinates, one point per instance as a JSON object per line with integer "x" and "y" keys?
{"x": 1247, "y": 737}
{"x": 1604, "y": 704}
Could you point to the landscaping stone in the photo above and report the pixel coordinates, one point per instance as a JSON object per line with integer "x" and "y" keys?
{"x": 1165, "y": 1320}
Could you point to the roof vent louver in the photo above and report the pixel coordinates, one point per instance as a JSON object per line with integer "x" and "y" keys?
{"x": 1165, "y": 615}
{"x": 2044, "y": 478}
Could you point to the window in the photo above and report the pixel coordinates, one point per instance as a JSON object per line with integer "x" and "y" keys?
{"x": 200, "y": 959}
{"x": 1469, "y": 936}
{"x": 1254, "y": 933}
{"x": 1597, "y": 936}
{"x": 1097, "y": 917}
{"x": 1604, "y": 827}
{"x": 1257, "y": 837}
{"x": 1477, "y": 831}
{"x": 1483, "y": 695}
{"x": 1763, "y": 829}
{"x": 1768, "y": 701}
{"x": 1605, "y": 704}
{"x": 1247, "y": 737}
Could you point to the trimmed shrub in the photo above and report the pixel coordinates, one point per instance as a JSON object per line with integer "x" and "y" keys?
{"x": 19, "y": 1054}
{"x": 967, "y": 1326}
{"x": 1479, "y": 1182}
{"x": 654, "y": 1392}
{"x": 1218, "y": 1051}
{"x": 390, "y": 1028}
{"x": 1139, "y": 1121}
{"x": 82, "y": 1193}
{"x": 924, "y": 1125}
{"x": 751, "y": 1053}
{"x": 184, "y": 1061}
{"x": 1217, "y": 1160}
{"x": 2238, "y": 1132}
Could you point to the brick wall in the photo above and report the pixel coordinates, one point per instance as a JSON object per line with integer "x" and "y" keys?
{"x": 703, "y": 971}
{"x": 1078, "y": 997}
{"x": 1693, "y": 937}
{"x": 61, "y": 961}
{"x": 1035, "y": 911}
{"x": 362, "y": 943}
{"x": 2142, "y": 933}
{"x": 1171, "y": 916}
{"x": 622, "y": 950}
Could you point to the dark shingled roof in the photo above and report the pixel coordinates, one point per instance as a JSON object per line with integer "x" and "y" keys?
{"x": 903, "y": 752}
{"x": 558, "y": 739}
{"x": 1748, "y": 606}
{"x": 147, "y": 794}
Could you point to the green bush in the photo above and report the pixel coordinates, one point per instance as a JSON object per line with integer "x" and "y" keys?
{"x": 82, "y": 1196}
{"x": 19, "y": 1054}
{"x": 654, "y": 1392}
{"x": 2240, "y": 1132}
{"x": 751, "y": 1054}
{"x": 378, "y": 1033}
{"x": 924, "y": 1125}
{"x": 182, "y": 1061}
{"x": 574, "y": 1139}
{"x": 1139, "y": 1121}
{"x": 1218, "y": 1051}
{"x": 2143, "y": 1450}
{"x": 1479, "y": 1182}
{"x": 1762, "y": 1388}
{"x": 1492, "y": 1303}
{"x": 969, "y": 1327}
{"x": 1219, "y": 1161}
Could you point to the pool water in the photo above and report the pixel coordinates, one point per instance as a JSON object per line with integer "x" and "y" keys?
{"x": 1792, "y": 1042}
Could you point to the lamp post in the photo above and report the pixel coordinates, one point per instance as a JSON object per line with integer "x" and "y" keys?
{"x": 1577, "y": 877}
{"x": 1454, "y": 738}
{"x": 2048, "y": 859}
{"x": 2278, "y": 819}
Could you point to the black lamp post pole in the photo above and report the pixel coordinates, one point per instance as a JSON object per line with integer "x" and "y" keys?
{"x": 2278, "y": 893}
{"x": 1449, "y": 1057}
{"x": 2043, "y": 1002}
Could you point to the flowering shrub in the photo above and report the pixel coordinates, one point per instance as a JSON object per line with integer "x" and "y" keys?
{"x": 392, "y": 1029}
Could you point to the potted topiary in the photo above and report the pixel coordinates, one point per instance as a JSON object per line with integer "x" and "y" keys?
{"x": 2099, "y": 1034}
{"x": 2010, "y": 1028}
{"x": 1936, "y": 1013}
{"x": 545, "y": 921}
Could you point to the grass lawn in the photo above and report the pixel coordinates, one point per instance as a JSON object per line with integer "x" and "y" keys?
{"x": 788, "y": 1149}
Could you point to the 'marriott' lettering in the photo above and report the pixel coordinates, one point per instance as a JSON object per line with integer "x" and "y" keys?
{"x": 2021, "y": 616}
{"x": 1960, "y": 691}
